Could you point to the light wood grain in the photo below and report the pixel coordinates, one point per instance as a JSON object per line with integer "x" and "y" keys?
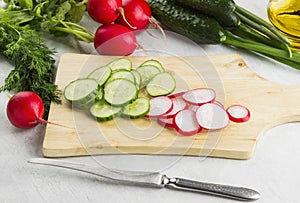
{"x": 270, "y": 104}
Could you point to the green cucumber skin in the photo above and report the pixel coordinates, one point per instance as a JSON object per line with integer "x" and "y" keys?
{"x": 152, "y": 94}
{"x": 199, "y": 28}
{"x": 154, "y": 62}
{"x": 229, "y": 21}
{"x": 87, "y": 98}
{"x": 91, "y": 102}
{"x": 105, "y": 118}
{"x": 210, "y": 7}
{"x": 221, "y": 10}
{"x": 134, "y": 97}
{"x": 101, "y": 81}
{"x": 126, "y": 114}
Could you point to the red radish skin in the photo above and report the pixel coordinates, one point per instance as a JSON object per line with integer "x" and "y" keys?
{"x": 238, "y": 113}
{"x": 26, "y": 110}
{"x": 185, "y": 123}
{"x": 219, "y": 103}
{"x": 211, "y": 116}
{"x": 114, "y": 39}
{"x": 159, "y": 106}
{"x": 199, "y": 96}
{"x": 166, "y": 122}
{"x": 178, "y": 105}
{"x": 177, "y": 94}
{"x": 104, "y": 11}
{"x": 138, "y": 14}
{"x": 193, "y": 107}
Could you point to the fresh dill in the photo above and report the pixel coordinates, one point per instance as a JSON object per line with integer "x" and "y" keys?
{"x": 34, "y": 68}
{"x": 21, "y": 25}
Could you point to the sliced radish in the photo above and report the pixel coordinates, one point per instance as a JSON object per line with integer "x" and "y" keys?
{"x": 212, "y": 116}
{"x": 159, "y": 106}
{"x": 219, "y": 103}
{"x": 166, "y": 122}
{"x": 178, "y": 105}
{"x": 177, "y": 94}
{"x": 199, "y": 96}
{"x": 185, "y": 123}
{"x": 193, "y": 107}
{"x": 238, "y": 113}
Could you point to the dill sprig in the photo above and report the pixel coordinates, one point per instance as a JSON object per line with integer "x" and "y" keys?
{"x": 22, "y": 44}
{"x": 34, "y": 68}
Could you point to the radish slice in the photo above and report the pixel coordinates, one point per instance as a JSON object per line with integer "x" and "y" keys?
{"x": 193, "y": 107}
{"x": 159, "y": 106}
{"x": 166, "y": 122}
{"x": 219, "y": 103}
{"x": 177, "y": 94}
{"x": 178, "y": 105}
{"x": 199, "y": 96}
{"x": 185, "y": 123}
{"x": 212, "y": 116}
{"x": 238, "y": 113}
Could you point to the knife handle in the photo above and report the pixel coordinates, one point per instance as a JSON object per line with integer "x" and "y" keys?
{"x": 234, "y": 192}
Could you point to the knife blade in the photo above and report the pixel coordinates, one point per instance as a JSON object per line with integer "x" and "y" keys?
{"x": 155, "y": 180}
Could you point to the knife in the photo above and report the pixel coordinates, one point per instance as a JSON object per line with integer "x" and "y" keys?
{"x": 155, "y": 180}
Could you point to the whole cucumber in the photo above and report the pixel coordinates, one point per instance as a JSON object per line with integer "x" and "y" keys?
{"x": 212, "y": 7}
{"x": 221, "y": 10}
{"x": 199, "y": 28}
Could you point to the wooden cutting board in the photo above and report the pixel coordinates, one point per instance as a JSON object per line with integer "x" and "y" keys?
{"x": 270, "y": 104}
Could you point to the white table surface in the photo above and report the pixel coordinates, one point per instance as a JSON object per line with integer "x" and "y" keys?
{"x": 273, "y": 169}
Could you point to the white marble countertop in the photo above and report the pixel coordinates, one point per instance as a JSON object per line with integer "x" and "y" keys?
{"x": 273, "y": 169}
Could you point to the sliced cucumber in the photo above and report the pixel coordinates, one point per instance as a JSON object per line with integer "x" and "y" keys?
{"x": 155, "y": 63}
{"x": 90, "y": 103}
{"x": 147, "y": 72}
{"x": 122, "y": 74}
{"x": 102, "y": 111}
{"x": 161, "y": 84}
{"x": 112, "y": 90}
{"x": 137, "y": 109}
{"x": 120, "y": 64}
{"x": 120, "y": 92}
{"x": 101, "y": 74}
{"x": 138, "y": 78}
{"x": 80, "y": 91}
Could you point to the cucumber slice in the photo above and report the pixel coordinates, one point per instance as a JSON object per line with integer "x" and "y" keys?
{"x": 147, "y": 72}
{"x": 101, "y": 74}
{"x": 80, "y": 91}
{"x": 137, "y": 109}
{"x": 138, "y": 78}
{"x": 120, "y": 91}
{"x": 122, "y": 74}
{"x": 155, "y": 63}
{"x": 102, "y": 111}
{"x": 120, "y": 64}
{"x": 161, "y": 84}
{"x": 90, "y": 103}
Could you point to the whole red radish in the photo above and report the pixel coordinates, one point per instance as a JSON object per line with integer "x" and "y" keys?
{"x": 138, "y": 14}
{"x": 25, "y": 109}
{"x": 104, "y": 11}
{"x": 114, "y": 39}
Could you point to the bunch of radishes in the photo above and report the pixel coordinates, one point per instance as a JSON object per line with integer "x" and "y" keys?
{"x": 120, "y": 21}
{"x": 188, "y": 112}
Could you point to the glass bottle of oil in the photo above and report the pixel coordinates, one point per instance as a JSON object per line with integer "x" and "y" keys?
{"x": 285, "y": 16}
